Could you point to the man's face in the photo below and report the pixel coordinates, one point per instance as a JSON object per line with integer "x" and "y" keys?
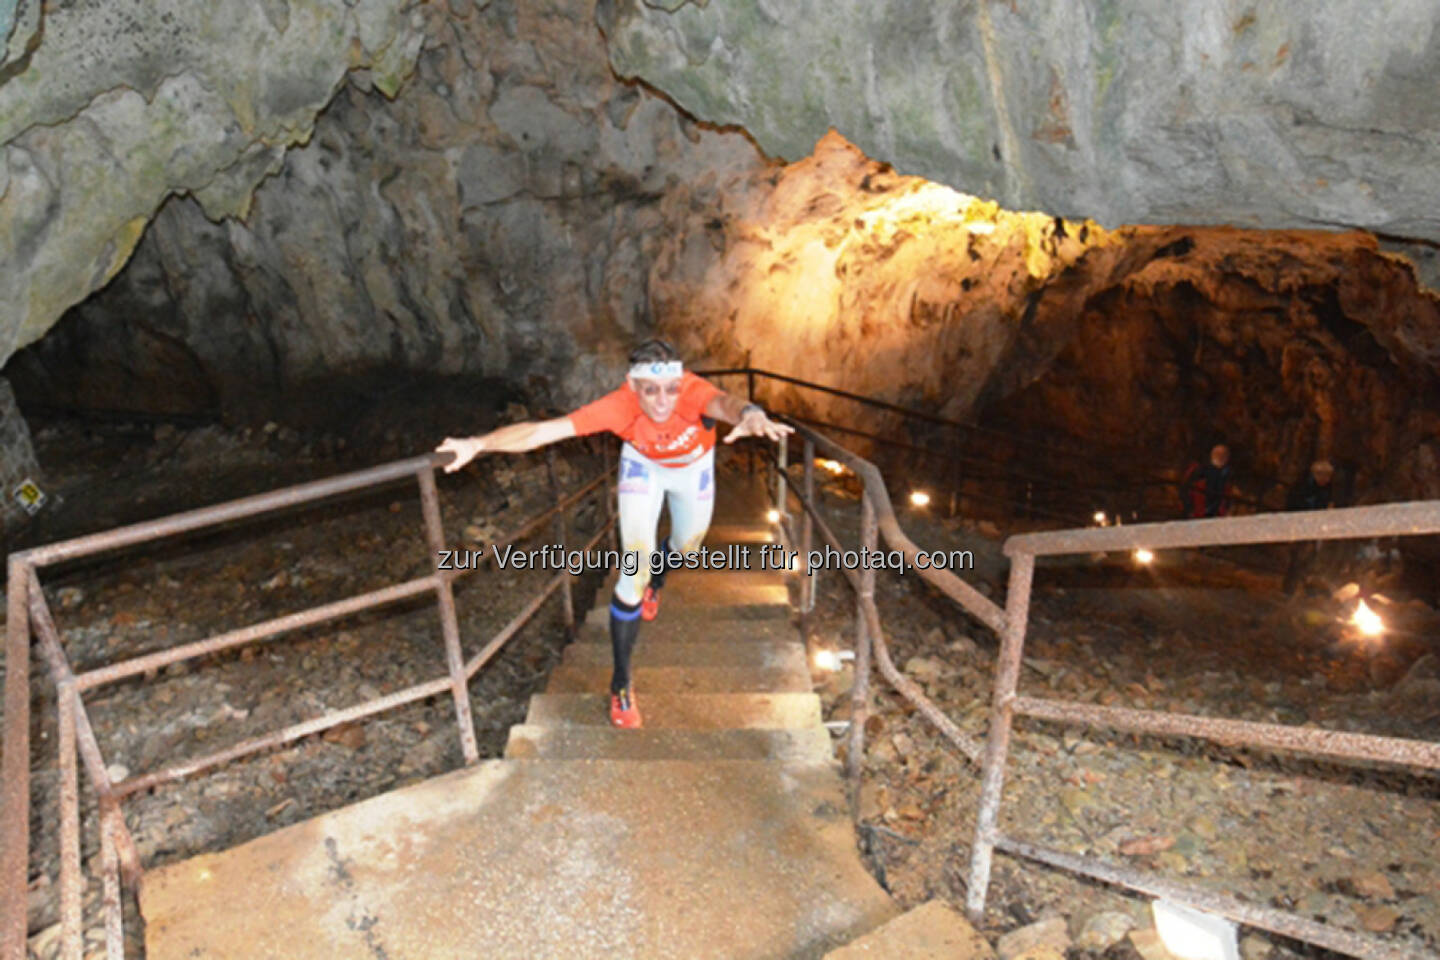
{"x": 657, "y": 397}
{"x": 1219, "y": 455}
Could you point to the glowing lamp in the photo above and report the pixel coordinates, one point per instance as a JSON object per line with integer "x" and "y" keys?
{"x": 772, "y": 516}
{"x": 1191, "y": 935}
{"x": 826, "y": 660}
{"x": 1367, "y": 621}
{"x": 1143, "y": 556}
{"x": 1100, "y": 518}
{"x": 919, "y": 498}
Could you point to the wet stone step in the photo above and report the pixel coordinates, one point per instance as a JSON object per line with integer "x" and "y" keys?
{"x": 803, "y": 746}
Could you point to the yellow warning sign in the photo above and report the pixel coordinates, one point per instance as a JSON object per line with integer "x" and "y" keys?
{"x": 30, "y": 497}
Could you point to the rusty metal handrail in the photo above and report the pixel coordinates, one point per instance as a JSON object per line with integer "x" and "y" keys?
{"x": 876, "y": 512}
{"x": 878, "y": 517}
{"x": 1399, "y": 519}
{"x": 28, "y": 612}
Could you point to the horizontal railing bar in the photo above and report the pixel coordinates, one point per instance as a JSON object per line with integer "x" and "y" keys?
{"x": 305, "y": 618}
{"x": 1238, "y": 733}
{"x": 259, "y": 631}
{"x": 973, "y": 601}
{"x": 500, "y": 639}
{"x": 1381, "y": 520}
{"x": 1265, "y": 918}
{"x": 906, "y": 687}
{"x": 358, "y": 711}
{"x": 835, "y": 391}
{"x": 281, "y": 737}
{"x": 228, "y": 511}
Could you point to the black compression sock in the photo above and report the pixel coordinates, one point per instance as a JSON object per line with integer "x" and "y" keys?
{"x": 657, "y": 580}
{"x": 624, "y": 629}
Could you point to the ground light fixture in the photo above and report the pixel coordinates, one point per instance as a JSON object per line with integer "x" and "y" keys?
{"x": 772, "y": 515}
{"x": 1144, "y": 557}
{"x": 1189, "y": 934}
{"x": 831, "y": 660}
{"x": 919, "y": 498}
{"x": 1367, "y": 621}
{"x": 1100, "y": 518}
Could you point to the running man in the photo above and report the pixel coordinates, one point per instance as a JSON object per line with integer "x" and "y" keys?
{"x": 666, "y": 416}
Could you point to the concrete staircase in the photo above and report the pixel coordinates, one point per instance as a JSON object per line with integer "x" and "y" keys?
{"x": 719, "y": 830}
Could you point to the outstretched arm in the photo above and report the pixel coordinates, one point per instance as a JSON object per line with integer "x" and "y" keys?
{"x": 516, "y": 438}
{"x": 749, "y": 419}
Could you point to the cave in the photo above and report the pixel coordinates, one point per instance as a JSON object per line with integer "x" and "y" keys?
{"x": 1106, "y": 339}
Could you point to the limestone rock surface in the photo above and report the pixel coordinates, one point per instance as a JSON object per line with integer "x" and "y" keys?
{"x": 1188, "y": 112}
{"x": 496, "y": 219}
{"x": 118, "y": 104}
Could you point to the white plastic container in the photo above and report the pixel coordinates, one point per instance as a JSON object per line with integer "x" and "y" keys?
{"x": 1191, "y": 935}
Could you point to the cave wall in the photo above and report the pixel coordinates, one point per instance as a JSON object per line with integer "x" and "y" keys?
{"x": 1238, "y": 112}
{"x": 496, "y": 219}
{"x": 115, "y": 105}
{"x": 1290, "y": 346}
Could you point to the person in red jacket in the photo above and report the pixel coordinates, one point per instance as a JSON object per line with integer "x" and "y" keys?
{"x": 666, "y": 416}
{"x": 1205, "y": 490}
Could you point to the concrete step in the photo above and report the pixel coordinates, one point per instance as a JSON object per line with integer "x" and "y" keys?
{"x": 750, "y": 679}
{"x": 734, "y": 625}
{"x": 717, "y": 588}
{"x": 661, "y": 860}
{"x": 932, "y": 931}
{"x": 688, "y": 711}
{"x": 721, "y": 534}
{"x": 802, "y": 746}
{"x": 750, "y": 653}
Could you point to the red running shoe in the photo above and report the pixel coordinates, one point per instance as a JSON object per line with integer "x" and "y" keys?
{"x": 649, "y": 604}
{"x": 624, "y": 711}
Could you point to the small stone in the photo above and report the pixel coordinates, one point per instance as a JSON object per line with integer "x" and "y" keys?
{"x": 1253, "y": 947}
{"x": 872, "y": 800}
{"x": 1076, "y": 800}
{"x": 1146, "y": 846}
{"x": 1373, "y": 886}
{"x": 924, "y": 670}
{"x": 1204, "y": 828}
{"x": 1048, "y": 933}
{"x": 1377, "y": 919}
{"x": 349, "y": 735}
{"x": 1147, "y": 943}
{"x": 1103, "y": 930}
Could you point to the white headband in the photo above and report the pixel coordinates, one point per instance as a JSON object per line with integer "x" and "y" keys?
{"x": 658, "y": 370}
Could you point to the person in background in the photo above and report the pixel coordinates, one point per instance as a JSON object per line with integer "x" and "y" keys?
{"x": 1205, "y": 489}
{"x": 1314, "y": 492}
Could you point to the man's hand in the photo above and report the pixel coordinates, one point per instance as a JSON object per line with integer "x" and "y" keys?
{"x": 464, "y": 449}
{"x": 754, "y": 423}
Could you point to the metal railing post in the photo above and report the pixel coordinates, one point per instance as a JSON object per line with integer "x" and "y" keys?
{"x": 1007, "y": 678}
{"x": 110, "y": 886}
{"x": 807, "y": 528}
{"x": 449, "y": 624}
{"x": 72, "y": 934}
{"x": 15, "y": 789}
{"x": 782, "y": 463}
{"x": 750, "y": 397}
{"x": 561, "y": 535}
{"x": 860, "y": 692}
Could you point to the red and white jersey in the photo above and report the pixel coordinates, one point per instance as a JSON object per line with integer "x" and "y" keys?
{"x": 680, "y": 440}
